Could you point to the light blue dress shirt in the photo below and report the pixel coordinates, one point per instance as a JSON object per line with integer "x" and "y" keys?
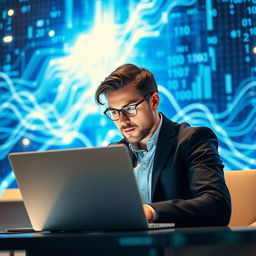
{"x": 143, "y": 170}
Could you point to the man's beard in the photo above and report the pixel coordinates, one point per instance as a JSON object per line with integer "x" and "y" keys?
{"x": 139, "y": 137}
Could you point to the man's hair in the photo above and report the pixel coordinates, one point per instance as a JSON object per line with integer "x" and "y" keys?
{"x": 141, "y": 78}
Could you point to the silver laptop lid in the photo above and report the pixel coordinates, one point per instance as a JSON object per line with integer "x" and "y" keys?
{"x": 79, "y": 189}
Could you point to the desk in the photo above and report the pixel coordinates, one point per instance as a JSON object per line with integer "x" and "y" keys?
{"x": 190, "y": 241}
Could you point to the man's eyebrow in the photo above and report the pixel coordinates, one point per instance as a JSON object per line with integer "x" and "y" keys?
{"x": 132, "y": 102}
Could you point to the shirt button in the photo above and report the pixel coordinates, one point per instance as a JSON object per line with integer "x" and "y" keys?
{"x": 145, "y": 166}
{"x": 144, "y": 191}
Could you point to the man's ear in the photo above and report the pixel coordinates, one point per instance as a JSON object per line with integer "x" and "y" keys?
{"x": 155, "y": 100}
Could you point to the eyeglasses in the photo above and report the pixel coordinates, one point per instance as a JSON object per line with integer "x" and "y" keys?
{"x": 130, "y": 110}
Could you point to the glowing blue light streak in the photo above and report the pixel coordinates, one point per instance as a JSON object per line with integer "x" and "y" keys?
{"x": 212, "y": 54}
{"x": 69, "y": 13}
{"x": 228, "y": 83}
{"x": 209, "y": 18}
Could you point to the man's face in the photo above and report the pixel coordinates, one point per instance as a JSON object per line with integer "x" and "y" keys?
{"x": 139, "y": 128}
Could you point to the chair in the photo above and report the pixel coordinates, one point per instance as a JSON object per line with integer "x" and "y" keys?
{"x": 242, "y": 188}
{"x": 11, "y": 194}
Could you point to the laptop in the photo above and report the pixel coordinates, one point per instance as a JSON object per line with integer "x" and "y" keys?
{"x": 80, "y": 189}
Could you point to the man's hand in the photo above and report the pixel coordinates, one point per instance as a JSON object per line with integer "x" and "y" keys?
{"x": 148, "y": 212}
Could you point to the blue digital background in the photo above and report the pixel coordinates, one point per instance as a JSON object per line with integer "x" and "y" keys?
{"x": 54, "y": 53}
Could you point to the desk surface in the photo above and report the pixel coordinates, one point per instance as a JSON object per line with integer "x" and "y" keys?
{"x": 153, "y": 238}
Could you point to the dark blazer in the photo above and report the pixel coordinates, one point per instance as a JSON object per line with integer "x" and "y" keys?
{"x": 188, "y": 185}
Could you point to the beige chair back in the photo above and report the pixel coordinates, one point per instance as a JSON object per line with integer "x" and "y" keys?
{"x": 242, "y": 188}
{"x": 11, "y": 194}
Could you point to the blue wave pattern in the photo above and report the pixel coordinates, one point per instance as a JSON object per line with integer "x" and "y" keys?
{"x": 47, "y": 89}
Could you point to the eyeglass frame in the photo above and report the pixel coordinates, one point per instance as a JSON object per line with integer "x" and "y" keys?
{"x": 124, "y": 112}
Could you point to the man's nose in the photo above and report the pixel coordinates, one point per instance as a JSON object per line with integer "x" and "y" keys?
{"x": 123, "y": 118}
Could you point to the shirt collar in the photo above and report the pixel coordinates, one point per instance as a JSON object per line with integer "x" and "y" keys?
{"x": 151, "y": 142}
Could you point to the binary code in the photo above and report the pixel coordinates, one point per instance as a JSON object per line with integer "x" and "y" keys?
{"x": 54, "y": 53}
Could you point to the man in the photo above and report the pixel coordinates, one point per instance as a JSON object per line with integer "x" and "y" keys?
{"x": 177, "y": 167}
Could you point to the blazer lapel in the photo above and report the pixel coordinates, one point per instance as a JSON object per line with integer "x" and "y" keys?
{"x": 164, "y": 146}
